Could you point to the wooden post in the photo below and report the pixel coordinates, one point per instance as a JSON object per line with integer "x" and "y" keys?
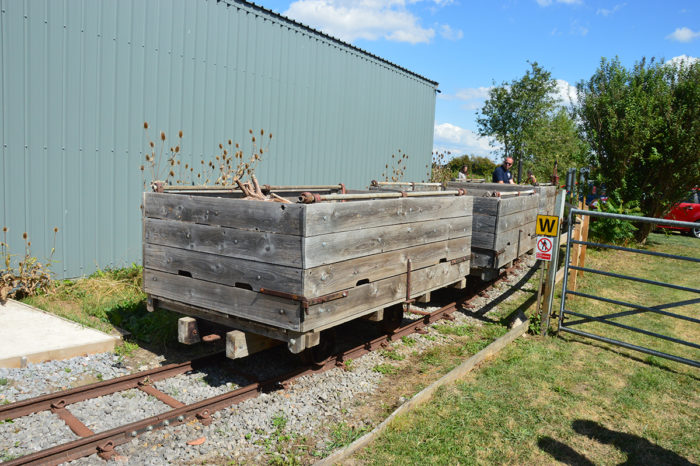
{"x": 241, "y": 344}
{"x": 187, "y": 331}
{"x": 584, "y": 237}
{"x": 575, "y": 251}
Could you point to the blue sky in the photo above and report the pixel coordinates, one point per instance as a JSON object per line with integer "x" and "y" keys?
{"x": 466, "y": 46}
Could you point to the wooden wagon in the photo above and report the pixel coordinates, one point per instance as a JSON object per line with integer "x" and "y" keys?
{"x": 504, "y": 222}
{"x": 290, "y": 271}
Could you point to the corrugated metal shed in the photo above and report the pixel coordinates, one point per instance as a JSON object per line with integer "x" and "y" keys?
{"x": 79, "y": 78}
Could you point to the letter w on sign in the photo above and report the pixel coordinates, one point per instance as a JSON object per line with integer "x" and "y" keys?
{"x": 547, "y": 225}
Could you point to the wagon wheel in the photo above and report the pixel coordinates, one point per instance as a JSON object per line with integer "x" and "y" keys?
{"x": 393, "y": 316}
{"x": 317, "y": 355}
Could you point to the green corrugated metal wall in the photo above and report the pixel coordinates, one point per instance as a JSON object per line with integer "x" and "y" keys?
{"x": 79, "y": 78}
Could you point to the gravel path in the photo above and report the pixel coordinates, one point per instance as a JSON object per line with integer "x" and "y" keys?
{"x": 253, "y": 431}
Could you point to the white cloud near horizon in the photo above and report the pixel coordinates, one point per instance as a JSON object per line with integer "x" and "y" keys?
{"x": 566, "y": 93}
{"x": 683, "y": 34}
{"x": 350, "y": 20}
{"x": 460, "y": 141}
{"x": 683, "y": 59}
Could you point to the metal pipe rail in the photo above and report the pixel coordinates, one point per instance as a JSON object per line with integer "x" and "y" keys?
{"x": 634, "y": 218}
{"x": 310, "y": 198}
{"x": 216, "y": 188}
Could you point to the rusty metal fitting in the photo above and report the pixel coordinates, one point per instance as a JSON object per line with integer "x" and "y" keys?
{"x": 309, "y": 198}
{"x": 204, "y": 417}
{"x": 106, "y": 450}
{"x": 342, "y": 188}
{"x": 58, "y": 404}
{"x": 374, "y": 183}
{"x": 461, "y": 191}
{"x": 158, "y": 186}
{"x": 404, "y": 194}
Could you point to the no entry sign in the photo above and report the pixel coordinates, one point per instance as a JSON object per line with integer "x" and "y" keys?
{"x": 544, "y": 248}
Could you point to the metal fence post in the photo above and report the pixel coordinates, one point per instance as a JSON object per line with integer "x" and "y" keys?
{"x": 553, "y": 266}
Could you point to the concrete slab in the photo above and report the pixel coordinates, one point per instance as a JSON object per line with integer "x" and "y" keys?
{"x": 29, "y": 335}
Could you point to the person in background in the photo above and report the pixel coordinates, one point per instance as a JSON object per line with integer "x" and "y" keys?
{"x": 531, "y": 178}
{"x": 463, "y": 172}
{"x": 502, "y": 173}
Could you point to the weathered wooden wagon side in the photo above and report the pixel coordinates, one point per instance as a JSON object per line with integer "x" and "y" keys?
{"x": 289, "y": 271}
{"x": 547, "y": 192}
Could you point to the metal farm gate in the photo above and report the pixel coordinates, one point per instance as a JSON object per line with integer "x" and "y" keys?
{"x": 686, "y": 310}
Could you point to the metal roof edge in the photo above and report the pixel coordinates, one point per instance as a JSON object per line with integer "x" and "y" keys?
{"x": 281, "y": 17}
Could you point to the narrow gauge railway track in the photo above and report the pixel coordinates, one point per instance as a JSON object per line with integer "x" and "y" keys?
{"x": 104, "y": 443}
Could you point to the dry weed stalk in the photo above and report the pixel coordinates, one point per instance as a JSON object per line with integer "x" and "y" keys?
{"x": 30, "y": 276}
{"x": 398, "y": 167}
{"x": 439, "y": 172}
{"x": 226, "y": 169}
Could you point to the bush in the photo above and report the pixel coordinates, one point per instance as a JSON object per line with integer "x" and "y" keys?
{"x": 612, "y": 230}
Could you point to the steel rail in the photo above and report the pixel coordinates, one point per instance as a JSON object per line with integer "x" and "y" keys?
{"x": 104, "y": 443}
{"x": 107, "y": 387}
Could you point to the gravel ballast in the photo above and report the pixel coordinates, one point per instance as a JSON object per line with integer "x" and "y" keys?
{"x": 253, "y": 431}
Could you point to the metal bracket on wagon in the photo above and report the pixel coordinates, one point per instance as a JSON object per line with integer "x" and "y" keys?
{"x": 306, "y": 302}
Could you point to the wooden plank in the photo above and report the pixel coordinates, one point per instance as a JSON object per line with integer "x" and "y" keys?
{"x": 486, "y": 205}
{"x": 234, "y": 213}
{"x": 488, "y": 223}
{"x": 325, "y": 279}
{"x": 224, "y": 299}
{"x": 513, "y": 251}
{"x": 337, "y": 247}
{"x": 367, "y": 298}
{"x": 518, "y": 204}
{"x": 326, "y": 218}
{"x": 459, "y": 247}
{"x": 258, "y": 246}
{"x": 223, "y": 269}
{"x": 506, "y": 238}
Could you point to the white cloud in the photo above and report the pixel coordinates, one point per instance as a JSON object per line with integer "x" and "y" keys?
{"x": 350, "y": 20}
{"x": 577, "y": 29}
{"x": 683, "y": 34}
{"x": 613, "y": 10}
{"x": 460, "y": 141}
{"x": 472, "y": 97}
{"x": 566, "y": 92}
{"x": 683, "y": 60}
{"x": 450, "y": 34}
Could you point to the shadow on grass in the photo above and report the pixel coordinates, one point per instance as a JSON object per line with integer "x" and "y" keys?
{"x": 638, "y": 449}
{"x": 622, "y": 352}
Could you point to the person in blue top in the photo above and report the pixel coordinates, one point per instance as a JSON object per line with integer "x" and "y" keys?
{"x": 502, "y": 173}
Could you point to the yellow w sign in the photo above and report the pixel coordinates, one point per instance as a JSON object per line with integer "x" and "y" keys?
{"x": 547, "y": 225}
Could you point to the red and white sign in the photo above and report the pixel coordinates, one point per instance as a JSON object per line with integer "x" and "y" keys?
{"x": 543, "y": 249}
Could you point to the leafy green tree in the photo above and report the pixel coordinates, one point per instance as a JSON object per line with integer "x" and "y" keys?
{"x": 514, "y": 111}
{"x": 479, "y": 167}
{"x": 555, "y": 138}
{"x": 643, "y": 125}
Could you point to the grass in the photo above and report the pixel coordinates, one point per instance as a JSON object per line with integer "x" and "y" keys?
{"x": 564, "y": 399}
{"x": 107, "y": 300}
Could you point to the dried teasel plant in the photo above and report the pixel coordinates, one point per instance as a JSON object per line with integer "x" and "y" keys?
{"x": 226, "y": 168}
{"x": 30, "y": 276}
{"x": 439, "y": 171}
{"x": 396, "y": 168}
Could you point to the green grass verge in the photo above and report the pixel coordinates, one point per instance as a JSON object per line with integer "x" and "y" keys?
{"x": 567, "y": 399}
{"x": 108, "y": 299}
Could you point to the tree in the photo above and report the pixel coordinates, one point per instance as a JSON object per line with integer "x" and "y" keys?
{"x": 554, "y": 139}
{"x": 515, "y": 110}
{"x": 643, "y": 125}
{"x": 479, "y": 167}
